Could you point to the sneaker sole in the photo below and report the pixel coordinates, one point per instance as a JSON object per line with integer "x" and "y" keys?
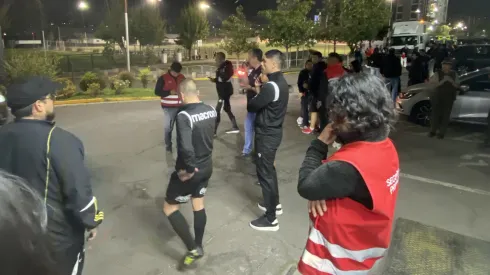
{"x": 278, "y": 212}
{"x": 268, "y": 229}
{"x": 233, "y": 132}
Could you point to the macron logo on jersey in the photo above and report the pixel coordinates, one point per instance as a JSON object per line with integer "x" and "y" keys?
{"x": 203, "y": 116}
{"x": 200, "y": 116}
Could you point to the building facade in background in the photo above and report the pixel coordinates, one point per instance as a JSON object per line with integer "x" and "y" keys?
{"x": 416, "y": 10}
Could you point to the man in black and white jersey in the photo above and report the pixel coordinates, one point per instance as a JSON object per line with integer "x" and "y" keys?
{"x": 270, "y": 104}
{"x": 195, "y": 125}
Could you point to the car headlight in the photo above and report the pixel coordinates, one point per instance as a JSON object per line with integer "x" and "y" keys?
{"x": 406, "y": 95}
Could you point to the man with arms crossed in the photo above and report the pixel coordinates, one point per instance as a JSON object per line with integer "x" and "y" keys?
{"x": 270, "y": 104}
{"x": 195, "y": 129}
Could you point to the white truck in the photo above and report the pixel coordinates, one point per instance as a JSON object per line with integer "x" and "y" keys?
{"x": 409, "y": 34}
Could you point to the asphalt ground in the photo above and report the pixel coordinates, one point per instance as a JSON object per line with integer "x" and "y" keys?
{"x": 444, "y": 184}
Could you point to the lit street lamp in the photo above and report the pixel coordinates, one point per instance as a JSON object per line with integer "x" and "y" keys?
{"x": 204, "y": 6}
{"x": 154, "y": 1}
{"x": 83, "y": 6}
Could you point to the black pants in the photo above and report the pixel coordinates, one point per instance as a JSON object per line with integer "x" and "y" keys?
{"x": 323, "y": 113}
{"x": 266, "y": 148}
{"x": 441, "y": 113}
{"x": 305, "y": 104}
{"x": 70, "y": 259}
{"x": 225, "y": 92}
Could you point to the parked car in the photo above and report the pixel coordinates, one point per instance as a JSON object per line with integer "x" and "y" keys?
{"x": 468, "y": 58}
{"x": 471, "y": 105}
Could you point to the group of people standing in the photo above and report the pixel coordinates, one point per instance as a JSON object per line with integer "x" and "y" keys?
{"x": 197, "y": 125}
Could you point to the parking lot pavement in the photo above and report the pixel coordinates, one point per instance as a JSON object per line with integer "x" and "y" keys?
{"x": 125, "y": 153}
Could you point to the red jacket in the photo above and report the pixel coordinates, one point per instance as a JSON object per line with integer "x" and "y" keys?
{"x": 350, "y": 237}
{"x": 172, "y": 84}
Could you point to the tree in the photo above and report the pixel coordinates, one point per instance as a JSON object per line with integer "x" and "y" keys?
{"x": 356, "y": 20}
{"x": 112, "y": 27}
{"x": 442, "y": 30}
{"x": 331, "y": 25}
{"x": 193, "y": 26}
{"x": 237, "y": 30}
{"x": 147, "y": 26}
{"x": 289, "y": 25}
{"x": 4, "y": 18}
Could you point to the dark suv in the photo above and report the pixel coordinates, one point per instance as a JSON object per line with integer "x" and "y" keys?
{"x": 471, "y": 57}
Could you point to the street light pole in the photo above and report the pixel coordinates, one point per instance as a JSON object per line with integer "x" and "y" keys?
{"x": 128, "y": 61}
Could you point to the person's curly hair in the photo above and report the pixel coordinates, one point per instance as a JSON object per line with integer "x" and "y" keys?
{"x": 360, "y": 104}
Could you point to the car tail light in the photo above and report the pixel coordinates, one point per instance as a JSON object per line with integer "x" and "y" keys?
{"x": 241, "y": 73}
{"x": 405, "y": 95}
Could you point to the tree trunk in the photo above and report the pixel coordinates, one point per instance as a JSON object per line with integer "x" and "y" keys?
{"x": 287, "y": 57}
{"x": 297, "y": 55}
{"x": 190, "y": 53}
{"x": 121, "y": 46}
{"x": 335, "y": 45}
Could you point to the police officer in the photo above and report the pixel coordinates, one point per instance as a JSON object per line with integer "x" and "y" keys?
{"x": 167, "y": 89}
{"x": 270, "y": 104}
{"x": 446, "y": 85}
{"x": 194, "y": 166}
{"x": 223, "y": 78}
{"x": 254, "y": 60}
{"x": 51, "y": 160}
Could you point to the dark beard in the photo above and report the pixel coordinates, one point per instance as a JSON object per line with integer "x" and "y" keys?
{"x": 50, "y": 117}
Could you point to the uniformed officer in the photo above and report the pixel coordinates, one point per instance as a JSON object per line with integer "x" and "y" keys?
{"x": 51, "y": 160}
{"x": 446, "y": 86}
{"x": 195, "y": 125}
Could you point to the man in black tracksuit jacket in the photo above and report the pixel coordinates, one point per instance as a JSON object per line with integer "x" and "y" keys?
{"x": 224, "y": 87}
{"x": 270, "y": 104}
{"x": 195, "y": 124}
{"x": 51, "y": 160}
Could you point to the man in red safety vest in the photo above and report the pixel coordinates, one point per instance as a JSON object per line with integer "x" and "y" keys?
{"x": 167, "y": 88}
{"x": 352, "y": 196}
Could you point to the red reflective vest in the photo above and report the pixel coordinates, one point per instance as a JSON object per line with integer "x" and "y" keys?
{"x": 349, "y": 238}
{"x": 172, "y": 84}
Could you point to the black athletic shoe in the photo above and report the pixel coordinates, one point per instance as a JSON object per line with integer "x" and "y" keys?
{"x": 278, "y": 208}
{"x": 263, "y": 224}
{"x": 233, "y": 130}
{"x": 192, "y": 256}
{"x": 245, "y": 156}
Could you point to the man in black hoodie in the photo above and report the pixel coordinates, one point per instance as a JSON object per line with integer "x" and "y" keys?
{"x": 317, "y": 75}
{"x": 224, "y": 87}
{"x": 392, "y": 70}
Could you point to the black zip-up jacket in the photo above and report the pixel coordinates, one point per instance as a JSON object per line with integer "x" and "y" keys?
{"x": 72, "y": 208}
{"x": 392, "y": 66}
{"x": 224, "y": 73}
{"x": 270, "y": 104}
{"x": 303, "y": 77}
{"x": 195, "y": 125}
{"x": 316, "y": 78}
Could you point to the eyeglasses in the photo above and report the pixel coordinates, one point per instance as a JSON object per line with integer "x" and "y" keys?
{"x": 50, "y": 96}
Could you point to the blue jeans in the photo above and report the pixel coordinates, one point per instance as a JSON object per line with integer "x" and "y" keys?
{"x": 395, "y": 83}
{"x": 169, "y": 115}
{"x": 249, "y": 133}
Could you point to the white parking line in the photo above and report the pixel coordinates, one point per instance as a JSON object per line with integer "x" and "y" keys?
{"x": 446, "y": 184}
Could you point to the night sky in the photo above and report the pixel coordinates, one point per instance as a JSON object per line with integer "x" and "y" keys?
{"x": 25, "y": 13}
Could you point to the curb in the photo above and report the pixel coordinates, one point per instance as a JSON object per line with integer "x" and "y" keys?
{"x": 102, "y": 100}
{"x": 117, "y": 99}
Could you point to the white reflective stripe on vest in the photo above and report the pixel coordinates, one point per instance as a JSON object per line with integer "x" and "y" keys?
{"x": 339, "y": 252}
{"x": 171, "y": 102}
{"x": 326, "y": 266}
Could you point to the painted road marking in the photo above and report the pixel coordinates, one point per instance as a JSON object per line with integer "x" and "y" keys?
{"x": 474, "y": 160}
{"x": 446, "y": 184}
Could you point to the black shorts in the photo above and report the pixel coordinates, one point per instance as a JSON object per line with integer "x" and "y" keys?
{"x": 181, "y": 192}
{"x": 314, "y": 104}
